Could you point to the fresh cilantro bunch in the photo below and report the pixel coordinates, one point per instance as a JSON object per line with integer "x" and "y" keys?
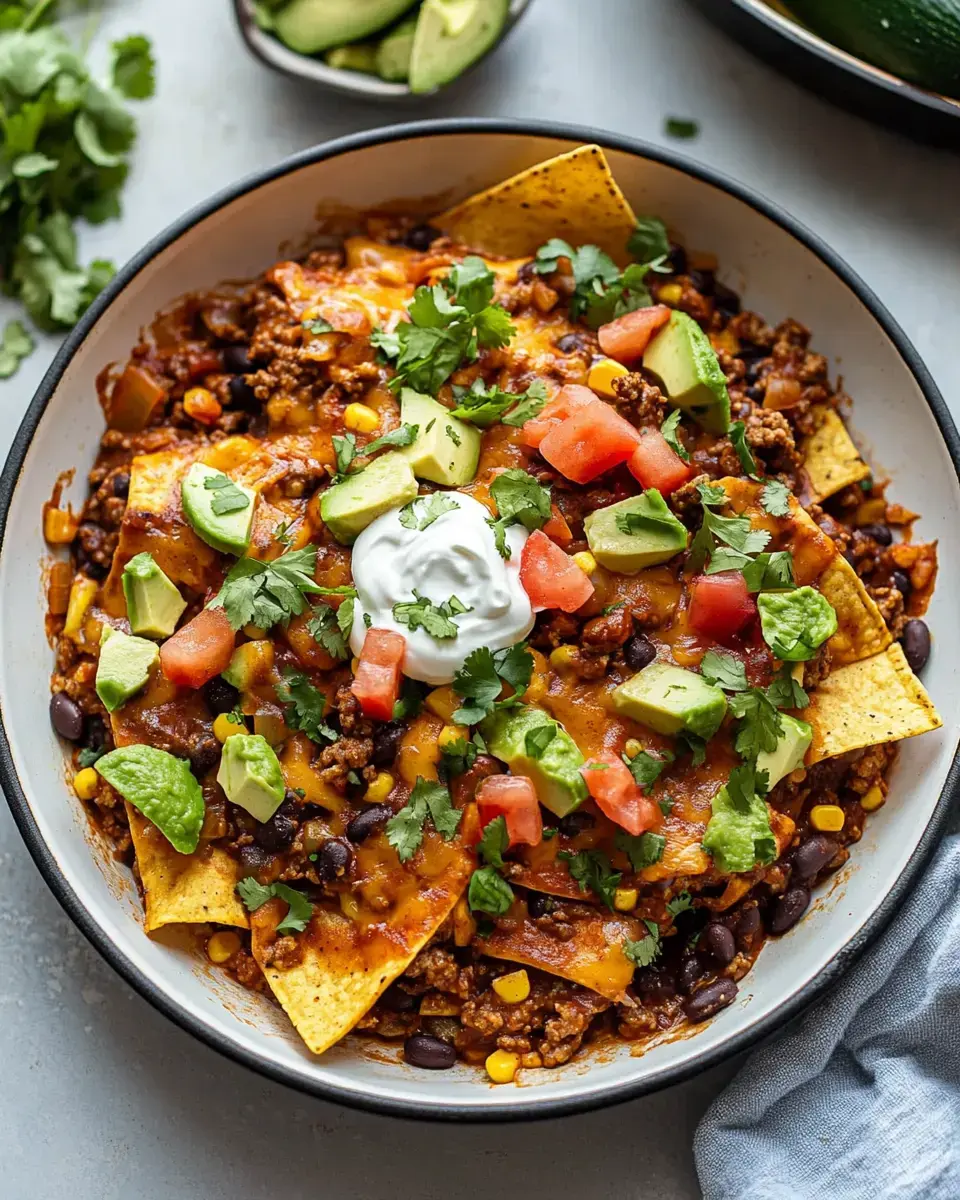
{"x": 265, "y": 593}
{"x": 601, "y": 291}
{"x": 428, "y": 799}
{"x": 65, "y": 142}
{"x": 481, "y": 678}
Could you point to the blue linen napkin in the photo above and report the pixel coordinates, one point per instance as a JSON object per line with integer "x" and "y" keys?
{"x": 860, "y": 1099}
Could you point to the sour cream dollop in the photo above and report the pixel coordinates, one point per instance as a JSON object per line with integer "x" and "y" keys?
{"x": 454, "y": 556}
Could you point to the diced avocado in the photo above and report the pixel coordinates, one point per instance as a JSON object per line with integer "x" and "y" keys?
{"x": 309, "y": 26}
{"x": 635, "y": 533}
{"x": 446, "y": 450}
{"x": 250, "y": 775}
{"x": 452, "y": 34}
{"x": 670, "y": 699}
{"x": 394, "y": 51}
{"x": 214, "y": 508}
{"x": 791, "y": 747}
{"x": 154, "y": 605}
{"x": 361, "y": 56}
{"x": 249, "y": 664}
{"x": 124, "y": 666}
{"x": 686, "y": 364}
{"x": 348, "y": 508}
{"x": 739, "y": 839}
{"x": 796, "y": 623}
{"x": 160, "y": 786}
{"x": 556, "y": 773}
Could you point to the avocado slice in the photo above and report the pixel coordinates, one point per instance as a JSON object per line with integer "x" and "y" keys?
{"x": 395, "y": 50}
{"x": 681, "y": 356}
{"x": 446, "y": 450}
{"x": 361, "y": 56}
{"x": 556, "y": 773}
{"x": 653, "y": 536}
{"x": 788, "y": 754}
{"x": 227, "y": 531}
{"x": 160, "y": 786}
{"x": 154, "y": 605}
{"x": 671, "y": 699}
{"x": 124, "y": 666}
{"x": 347, "y": 508}
{"x": 250, "y": 775}
{"x": 452, "y": 34}
{"x": 309, "y": 26}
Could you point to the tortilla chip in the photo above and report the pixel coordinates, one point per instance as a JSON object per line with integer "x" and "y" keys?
{"x": 345, "y": 965}
{"x": 573, "y": 196}
{"x": 830, "y": 458}
{"x": 868, "y": 703}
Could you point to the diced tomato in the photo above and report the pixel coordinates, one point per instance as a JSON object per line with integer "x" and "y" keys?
{"x": 551, "y": 578}
{"x": 566, "y": 402}
{"x": 557, "y": 529}
{"x": 626, "y": 338}
{"x": 617, "y": 794}
{"x": 514, "y": 798}
{"x": 593, "y": 440}
{"x": 656, "y": 465}
{"x": 720, "y": 604}
{"x": 198, "y": 651}
{"x": 377, "y": 681}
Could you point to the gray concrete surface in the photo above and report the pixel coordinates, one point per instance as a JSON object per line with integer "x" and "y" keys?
{"x": 101, "y": 1097}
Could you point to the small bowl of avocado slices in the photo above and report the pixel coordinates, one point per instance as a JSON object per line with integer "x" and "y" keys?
{"x": 376, "y": 48}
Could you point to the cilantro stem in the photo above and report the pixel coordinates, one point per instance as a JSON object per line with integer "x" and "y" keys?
{"x": 34, "y": 15}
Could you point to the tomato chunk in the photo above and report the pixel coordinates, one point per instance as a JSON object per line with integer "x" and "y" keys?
{"x": 593, "y": 440}
{"x": 514, "y": 798}
{"x": 656, "y": 465}
{"x": 617, "y": 794}
{"x": 551, "y": 578}
{"x": 566, "y": 402}
{"x": 557, "y": 529}
{"x": 720, "y": 604}
{"x": 198, "y": 651}
{"x": 626, "y": 338}
{"x": 377, "y": 681}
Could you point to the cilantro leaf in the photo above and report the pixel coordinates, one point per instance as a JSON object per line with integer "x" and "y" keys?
{"x": 132, "y": 67}
{"x": 733, "y": 532}
{"x": 89, "y": 755}
{"x": 696, "y": 745}
{"x": 711, "y": 493}
{"x": 591, "y": 869}
{"x": 738, "y": 436}
{"x": 483, "y": 406}
{"x": 775, "y": 498}
{"x": 537, "y": 740}
{"x": 345, "y": 617}
{"x": 725, "y": 670}
{"x": 489, "y": 892}
{"x": 643, "y": 850}
{"x": 420, "y": 514}
{"x": 493, "y": 842}
{"x": 520, "y": 499}
{"x": 529, "y": 406}
{"x": 345, "y": 450}
{"x": 665, "y": 804}
{"x": 646, "y": 768}
{"x": 405, "y": 829}
{"x": 759, "y": 726}
{"x": 471, "y": 282}
{"x": 305, "y": 707}
{"x": 768, "y": 571}
{"x": 644, "y": 951}
{"x": 410, "y": 702}
{"x": 672, "y": 438}
{"x": 480, "y": 680}
{"x": 649, "y": 240}
{"x": 403, "y": 435}
{"x": 456, "y": 757}
{"x": 785, "y": 692}
{"x": 681, "y": 127}
{"x": 264, "y": 593}
{"x": 514, "y": 665}
{"x": 649, "y": 515}
{"x": 15, "y": 345}
{"x": 324, "y": 627}
{"x": 299, "y": 909}
{"x": 435, "y": 619}
{"x": 229, "y": 497}
{"x": 679, "y": 904}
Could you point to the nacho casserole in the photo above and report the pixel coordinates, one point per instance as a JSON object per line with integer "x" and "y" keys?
{"x": 484, "y": 633}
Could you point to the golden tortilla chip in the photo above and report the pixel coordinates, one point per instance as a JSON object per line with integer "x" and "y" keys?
{"x": 573, "y": 196}
{"x": 830, "y": 458}
{"x": 868, "y": 703}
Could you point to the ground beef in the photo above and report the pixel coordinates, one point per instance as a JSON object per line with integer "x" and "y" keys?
{"x": 641, "y": 402}
{"x": 604, "y": 634}
{"x": 345, "y": 755}
{"x": 286, "y": 952}
{"x": 751, "y": 328}
{"x": 771, "y": 440}
{"x": 891, "y": 604}
{"x": 352, "y": 720}
{"x": 435, "y": 969}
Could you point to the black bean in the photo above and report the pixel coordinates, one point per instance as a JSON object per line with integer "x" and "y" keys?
{"x": 236, "y": 360}
{"x": 538, "y": 905}
{"x": 901, "y": 581}
{"x": 221, "y": 697}
{"x": 677, "y": 259}
{"x": 94, "y": 570}
{"x": 915, "y": 641}
{"x": 575, "y": 823}
{"x": 386, "y": 742}
{"x": 571, "y": 343}
{"x": 880, "y": 533}
{"x": 333, "y": 860}
{"x": 94, "y": 733}
{"x": 812, "y": 857}
{"x": 368, "y": 822}
{"x": 528, "y": 272}
{"x": 121, "y": 485}
{"x": 690, "y": 971}
{"x": 204, "y": 755}
{"x": 710, "y": 999}
{"x": 639, "y": 652}
{"x": 422, "y": 1050}
{"x": 242, "y": 394}
{"x": 397, "y": 1000}
{"x": 752, "y": 354}
{"x": 253, "y": 859}
{"x": 654, "y": 983}
{"x": 727, "y": 299}
{"x": 748, "y": 926}
{"x": 66, "y": 716}
{"x": 277, "y": 833}
{"x": 789, "y": 909}
{"x": 719, "y": 943}
{"x": 755, "y": 394}
{"x": 703, "y": 281}
{"x": 421, "y": 237}
{"x": 292, "y": 803}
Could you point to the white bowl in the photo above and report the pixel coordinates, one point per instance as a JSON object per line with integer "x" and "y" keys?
{"x": 782, "y": 269}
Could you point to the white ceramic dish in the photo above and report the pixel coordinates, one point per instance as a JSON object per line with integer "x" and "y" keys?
{"x": 782, "y": 270}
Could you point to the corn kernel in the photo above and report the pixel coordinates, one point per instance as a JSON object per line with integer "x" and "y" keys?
{"x": 502, "y": 1066}
{"x": 449, "y": 734}
{"x": 586, "y": 562}
{"x": 222, "y": 945}
{"x": 350, "y": 906}
{"x": 82, "y": 593}
{"x": 670, "y": 293}
{"x": 360, "y": 418}
{"x": 625, "y": 899}
{"x": 602, "y": 375}
{"x": 827, "y": 818}
{"x": 443, "y": 702}
{"x": 354, "y": 664}
{"x": 59, "y": 526}
{"x": 85, "y": 783}
{"x": 562, "y": 657}
{"x": 873, "y": 799}
{"x": 202, "y": 405}
{"x": 254, "y": 632}
{"x": 513, "y": 988}
{"x": 380, "y": 788}
{"x": 632, "y": 748}
{"x": 224, "y": 726}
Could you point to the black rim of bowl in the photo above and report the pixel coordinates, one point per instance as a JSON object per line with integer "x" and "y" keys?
{"x": 794, "y": 1003}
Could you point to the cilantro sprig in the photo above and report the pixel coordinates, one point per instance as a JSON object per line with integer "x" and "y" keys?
{"x": 643, "y": 849}
{"x": 229, "y": 498}
{"x": 435, "y": 619}
{"x": 265, "y": 593}
{"x": 428, "y": 799}
{"x": 646, "y": 768}
{"x": 489, "y": 892}
{"x": 421, "y": 513}
{"x": 671, "y": 436}
{"x": 601, "y": 291}
{"x": 305, "y": 706}
{"x": 348, "y": 454}
{"x": 484, "y": 406}
{"x": 481, "y": 678}
{"x": 520, "y": 500}
{"x": 592, "y": 871}
{"x": 645, "y": 950}
{"x": 299, "y": 909}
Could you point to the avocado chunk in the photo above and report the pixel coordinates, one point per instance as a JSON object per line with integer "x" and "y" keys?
{"x": 124, "y": 666}
{"x": 349, "y": 507}
{"x": 670, "y": 700}
{"x": 161, "y": 787}
{"x": 250, "y": 775}
{"x": 555, "y": 773}
{"x": 394, "y": 51}
{"x": 788, "y": 755}
{"x": 446, "y": 450}
{"x": 362, "y": 56}
{"x": 249, "y": 664}
{"x": 309, "y": 26}
{"x": 796, "y": 623}
{"x": 154, "y": 605}
{"x": 738, "y": 835}
{"x": 452, "y": 34}
{"x": 635, "y": 533}
{"x": 214, "y": 506}
{"x": 681, "y": 356}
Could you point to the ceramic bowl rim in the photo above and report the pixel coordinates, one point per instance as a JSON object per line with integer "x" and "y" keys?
{"x": 807, "y": 990}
